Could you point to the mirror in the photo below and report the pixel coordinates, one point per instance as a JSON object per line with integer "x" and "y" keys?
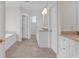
{"x": 69, "y": 17}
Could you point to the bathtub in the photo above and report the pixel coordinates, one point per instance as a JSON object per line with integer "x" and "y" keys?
{"x": 10, "y": 39}
{"x": 7, "y": 35}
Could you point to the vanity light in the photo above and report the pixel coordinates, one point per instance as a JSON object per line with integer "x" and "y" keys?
{"x": 44, "y": 12}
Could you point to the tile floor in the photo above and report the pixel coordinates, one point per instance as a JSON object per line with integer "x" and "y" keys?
{"x": 29, "y": 49}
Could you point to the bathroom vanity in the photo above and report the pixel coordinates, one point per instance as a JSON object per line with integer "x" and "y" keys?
{"x": 68, "y": 42}
{"x": 2, "y": 51}
{"x": 69, "y": 45}
{"x": 42, "y": 38}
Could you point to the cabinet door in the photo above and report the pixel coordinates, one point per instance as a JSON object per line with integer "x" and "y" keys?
{"x": 2, "y": 51}
{"x": 62, "y": 51}
{"x": 64, "y": 47}
{"x": 74, "y": 49}
{"x": 60, "y": 47}
{"x": 67, "y": 46}
{"x": 43, "y": 39}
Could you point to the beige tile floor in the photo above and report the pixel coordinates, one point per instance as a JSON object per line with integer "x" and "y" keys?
{"x": 29, "y": 49}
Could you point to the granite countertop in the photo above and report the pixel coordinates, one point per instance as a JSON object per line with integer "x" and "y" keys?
{"x": 71, "y": 35}
{"x": 43, "y": 30}
{"x": 2, "y": 41}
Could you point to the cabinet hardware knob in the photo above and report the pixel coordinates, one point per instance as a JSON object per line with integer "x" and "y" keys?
{"x": 63, "y": 48}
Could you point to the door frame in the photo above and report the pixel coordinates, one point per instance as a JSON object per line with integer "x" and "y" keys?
{"x": 29, "y": 35}
{"x": 49, "y": 30}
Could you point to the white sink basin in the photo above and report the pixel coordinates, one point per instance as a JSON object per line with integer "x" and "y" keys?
{"x": 41, "y": 29}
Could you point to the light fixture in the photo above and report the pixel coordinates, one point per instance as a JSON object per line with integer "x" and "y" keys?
{"x": 44, "y": 12}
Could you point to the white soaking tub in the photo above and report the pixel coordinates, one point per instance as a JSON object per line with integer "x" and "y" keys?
{"x": 10, "y": 39}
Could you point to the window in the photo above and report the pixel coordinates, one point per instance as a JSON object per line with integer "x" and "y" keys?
{"x": 33, "y": 19}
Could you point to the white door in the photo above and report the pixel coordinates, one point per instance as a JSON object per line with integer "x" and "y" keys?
{"x": 54, "y": 33}
{"x": 24, "y": 26}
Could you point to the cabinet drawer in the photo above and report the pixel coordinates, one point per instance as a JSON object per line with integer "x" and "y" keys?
{"x": 77, "y": 45}
{"x": 74, "y": 44}
{"x": 74, "y": 53}
{"x": 2, "y": 54}
{"x": 74, "y": 49}
{"x": 64, "y": 47}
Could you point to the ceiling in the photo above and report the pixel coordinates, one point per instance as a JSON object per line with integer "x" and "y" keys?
{"x": 33, "y": 6}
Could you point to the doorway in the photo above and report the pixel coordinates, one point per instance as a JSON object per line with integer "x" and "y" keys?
{"x": 25, "y": 26}
{"x": 33, "y": 25}
{"x": 54, "y": 27}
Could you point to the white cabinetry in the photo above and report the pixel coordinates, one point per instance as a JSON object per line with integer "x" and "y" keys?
{"x": 42, "y": 39}
{"x": 68, "y": 48}
{"x": 74, "y": 49}
{"x": 2, "y": 51}
{"x": 63, "y": 47}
